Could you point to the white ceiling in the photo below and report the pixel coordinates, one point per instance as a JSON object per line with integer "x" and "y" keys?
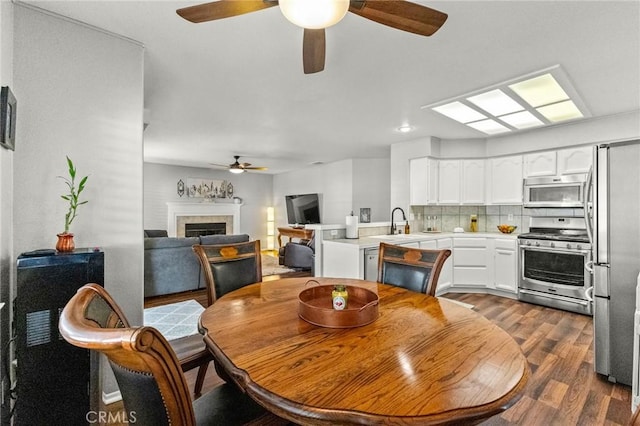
{"x": 236, "y": 86}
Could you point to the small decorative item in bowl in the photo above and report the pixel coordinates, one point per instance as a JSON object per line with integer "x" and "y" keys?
{"x": 507, "y": 229}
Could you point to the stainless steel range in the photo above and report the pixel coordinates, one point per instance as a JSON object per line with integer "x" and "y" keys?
{"x": 552, "y": 259}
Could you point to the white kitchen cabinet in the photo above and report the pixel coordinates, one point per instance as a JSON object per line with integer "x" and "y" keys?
{"x": 473, "y": 178}
{"x": 505, "y": 180}
{"x": 423, "y": 181}
{"x": 472, "y": 262}
{"x": 506, "y": 265}
{"x": 574, "y": 160}
{"x": 461, "y": 181}
{"x": 540, "y": 164}
{"x": 449, "y": 182}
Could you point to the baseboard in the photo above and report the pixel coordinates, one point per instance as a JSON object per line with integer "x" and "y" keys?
{"x": 112, "y": 397}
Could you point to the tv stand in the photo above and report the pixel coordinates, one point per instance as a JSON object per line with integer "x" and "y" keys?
{"x": 293, "y": 232}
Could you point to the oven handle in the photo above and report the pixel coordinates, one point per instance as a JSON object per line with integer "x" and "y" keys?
{"x": 588, "y": 293}
{"x": 556, "y": 250}
{"x": 589, "y": 266}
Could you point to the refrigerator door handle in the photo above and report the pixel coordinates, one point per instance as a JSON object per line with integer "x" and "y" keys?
{"x": 588, "y": 293}
{"x": 589, "y": 267}
{"x": 588, "y": 204}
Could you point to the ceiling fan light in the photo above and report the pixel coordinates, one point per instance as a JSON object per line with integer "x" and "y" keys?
{"x": 314, "y": 14}
{"x": 236, "y": 170}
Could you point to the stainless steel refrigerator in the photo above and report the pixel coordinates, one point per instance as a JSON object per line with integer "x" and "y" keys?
{"x": 614, "y": 223}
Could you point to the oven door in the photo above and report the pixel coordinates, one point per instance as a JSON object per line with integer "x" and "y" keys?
{"x": 555, "y": 271}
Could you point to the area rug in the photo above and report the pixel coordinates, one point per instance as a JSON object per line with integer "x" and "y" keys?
{"x": 174, "y": 320}
{"x": 270, "y": 266}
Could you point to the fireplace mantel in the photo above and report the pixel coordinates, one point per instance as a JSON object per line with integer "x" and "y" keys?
{"x": 205, "y": 208}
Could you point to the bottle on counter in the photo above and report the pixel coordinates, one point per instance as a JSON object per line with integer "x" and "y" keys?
{"x": 407, "y": 229}
{"x": 474, "y": 223}
{"x": 340, "y": 297}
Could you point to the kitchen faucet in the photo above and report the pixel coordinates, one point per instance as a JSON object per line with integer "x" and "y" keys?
{"x": 393, "y": 224}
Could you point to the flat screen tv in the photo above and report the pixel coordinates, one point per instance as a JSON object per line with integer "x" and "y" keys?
{"x": 303, "y": 209}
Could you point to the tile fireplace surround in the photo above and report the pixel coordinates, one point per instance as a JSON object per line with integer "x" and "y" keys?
{"x": 202, "y": 212}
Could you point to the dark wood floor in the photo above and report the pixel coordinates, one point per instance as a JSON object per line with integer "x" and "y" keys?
{"x": 563, "y": 389}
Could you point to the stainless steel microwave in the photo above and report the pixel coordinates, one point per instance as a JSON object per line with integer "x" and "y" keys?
{"x": 567, "y": 191}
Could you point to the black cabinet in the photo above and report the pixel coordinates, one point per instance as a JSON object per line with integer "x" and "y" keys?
{"x": 56, "y": 382}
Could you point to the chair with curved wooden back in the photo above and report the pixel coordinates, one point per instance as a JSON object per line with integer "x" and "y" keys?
{"x": 228, "y": 267}
{"x": 411, "y": 268}
{"x": 151, "y": 381}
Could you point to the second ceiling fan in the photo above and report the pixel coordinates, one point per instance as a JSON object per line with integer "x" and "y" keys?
{"x": 400, "y": 14}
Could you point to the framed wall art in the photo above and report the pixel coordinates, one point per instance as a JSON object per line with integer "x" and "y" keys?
{"x": 208, "y": 188}
{"x": 365, "y": 215}
{"x": 8, "y": 109}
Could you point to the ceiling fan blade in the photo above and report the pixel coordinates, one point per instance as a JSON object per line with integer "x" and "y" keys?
{"x": 223, "y": 9}
{"x": 313, "y": 50}
{"x": 255, "y": 168}
{"x": 400, "y": 14}
{"x": 226, "y": 166}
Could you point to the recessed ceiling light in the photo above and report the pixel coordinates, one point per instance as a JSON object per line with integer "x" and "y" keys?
{"x": 522, "y": 120}
{"x": 496, "y": 103}
{"x": 542, "y": 90}
{"x": 561, "y": 111}
{"x": 459, "y": 112}
{"x": 405, "y": 129}
{"x": 490, "y": 127}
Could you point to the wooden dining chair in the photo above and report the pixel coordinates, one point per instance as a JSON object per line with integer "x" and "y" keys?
{"x": 153, "y": 387}
{"x": 411, "y": 268}
{"x": 228, "y": 267}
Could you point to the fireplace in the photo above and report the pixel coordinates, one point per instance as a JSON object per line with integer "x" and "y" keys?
{"x": 182, "y": 213}
{"x": 207, "y": 228}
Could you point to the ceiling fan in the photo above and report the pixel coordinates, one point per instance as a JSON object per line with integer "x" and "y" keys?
{"x": 400, "y": 14}
{"x": 237, "y": 167}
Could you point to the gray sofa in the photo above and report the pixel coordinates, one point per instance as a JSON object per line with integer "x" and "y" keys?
{"x": 170, "y": 266}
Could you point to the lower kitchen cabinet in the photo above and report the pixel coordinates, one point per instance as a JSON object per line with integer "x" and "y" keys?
{"x": 472, "y": 262}
{"x": 506, "y": 265}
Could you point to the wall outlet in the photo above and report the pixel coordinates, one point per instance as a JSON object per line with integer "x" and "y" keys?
{"x": 510, "y": 216}
{"x": 334, "y": 232}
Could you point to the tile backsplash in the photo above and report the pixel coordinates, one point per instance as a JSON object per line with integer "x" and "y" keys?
{"x": 446, "y": 218}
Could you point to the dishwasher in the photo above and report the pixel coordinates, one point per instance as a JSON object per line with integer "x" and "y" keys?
{"x": 371, "y": 264}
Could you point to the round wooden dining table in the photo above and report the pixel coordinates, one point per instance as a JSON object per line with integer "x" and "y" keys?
{"x": 424, "y": 360}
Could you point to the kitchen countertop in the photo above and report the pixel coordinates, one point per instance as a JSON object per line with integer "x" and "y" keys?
{"x": 375, "y": 240}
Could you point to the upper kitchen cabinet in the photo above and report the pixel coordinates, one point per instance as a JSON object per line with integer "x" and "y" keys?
{"x": 504, "y": 180}
{"x": 561, "y": 162}
{"x": 575, "y": 160}
{"x": 449, "y": 178}
{"x": 540, "y": 164}
{"x": 461, "y": 181}
{"x": 423, "y": 181}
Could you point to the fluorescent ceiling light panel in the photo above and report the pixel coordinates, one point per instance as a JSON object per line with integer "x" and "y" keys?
{"x": 496, "y": 103}
{"x": 459, "y": 112}
{"x": 542, "y": 90}
{"x": 522, "y": 120}
{"x": 562, "y": 111}
{"x": 489, "y": 127}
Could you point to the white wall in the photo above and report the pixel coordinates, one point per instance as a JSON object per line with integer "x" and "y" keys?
{"x": 401, "y": 153}
{"x": 371, "y": 187}
{"x": 80, "y": 93}
{"x": 6, "y": 206}
{"x": 160, "y": 187}
{"x": 344, "y": 186}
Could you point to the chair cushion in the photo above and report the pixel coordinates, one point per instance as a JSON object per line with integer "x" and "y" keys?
{"x": 226, "y": 405}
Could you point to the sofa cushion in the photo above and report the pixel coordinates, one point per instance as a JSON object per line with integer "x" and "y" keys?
{"x": 223, "y": 239}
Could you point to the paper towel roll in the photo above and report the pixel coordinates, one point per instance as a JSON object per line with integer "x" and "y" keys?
{"x": 352, "y": 226}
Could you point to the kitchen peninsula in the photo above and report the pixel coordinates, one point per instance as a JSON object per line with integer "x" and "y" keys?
{"x": 481, "y": 262}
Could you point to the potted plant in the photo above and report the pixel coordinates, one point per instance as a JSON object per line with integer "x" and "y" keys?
{"x": 65, "y": 239}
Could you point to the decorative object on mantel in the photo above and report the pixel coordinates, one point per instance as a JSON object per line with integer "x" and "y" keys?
{"x": 65, "y": 239}
{"x": 180, "y": 188}
{"x": 8, "y": 109}
{"x": 209, "y": 188}
{"x": 237, "y": 200}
